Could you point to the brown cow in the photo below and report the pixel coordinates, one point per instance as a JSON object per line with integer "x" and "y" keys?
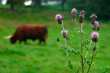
{"x": 25, "y": 32}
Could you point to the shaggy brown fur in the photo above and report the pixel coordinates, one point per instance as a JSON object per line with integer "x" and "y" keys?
{"x": 25, "y": 32}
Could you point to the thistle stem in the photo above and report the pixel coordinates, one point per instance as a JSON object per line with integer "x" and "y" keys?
{"x": 81, "y": 47}
{"x": 62, "y": 25}
{"x": 81, "y": 27}
{"x": 92, "y": 58}
{"x": 88, "y": 48}
{"x": 65, "y": 46}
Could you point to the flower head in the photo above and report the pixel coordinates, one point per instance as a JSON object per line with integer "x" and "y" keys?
{"x": 81, "y": 16}
{"x": 94, "y": 36}
{"x": 59, "y": 18}
{"x": 93, "y": 18}
{"x": 96, "y": 25}
{"x": 74, "y": 12}
{"x": 64, "y": 33}
{"x": 82, "y": 13}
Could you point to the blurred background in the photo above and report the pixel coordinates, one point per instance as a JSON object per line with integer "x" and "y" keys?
{"x": 100, "y": 7}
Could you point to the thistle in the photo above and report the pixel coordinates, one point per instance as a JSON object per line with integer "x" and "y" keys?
{"x": 81, "y": 19}
{"x": 93, "y": 18}
{"x": 94, "y": 22}
{"x": 73, "y": 13}
{"x": 94, "y": 36}
{"x": 64, "y": 33}
{"x": 96, "y": 25}
{"x": 59, "y": 18}
{"x": 81, "y": 16}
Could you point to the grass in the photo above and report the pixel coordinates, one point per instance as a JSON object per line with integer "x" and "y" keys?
{"x": 49, "y": 58}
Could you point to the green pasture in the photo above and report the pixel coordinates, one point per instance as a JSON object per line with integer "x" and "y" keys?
{"x": 48, "y": 58}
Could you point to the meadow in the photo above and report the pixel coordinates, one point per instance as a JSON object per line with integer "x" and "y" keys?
{"x": 48, "y": 58}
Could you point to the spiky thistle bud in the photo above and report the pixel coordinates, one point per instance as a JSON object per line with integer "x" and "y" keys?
{"x": 59, "y": 18}
{"x": 94, "y": 36}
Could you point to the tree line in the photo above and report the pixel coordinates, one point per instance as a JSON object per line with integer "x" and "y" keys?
{"x": 100, "y": 7}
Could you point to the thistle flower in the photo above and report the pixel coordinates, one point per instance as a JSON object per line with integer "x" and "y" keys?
{"x": 81, "y": 16}
{"x": 94, "y": 36}
{"x": 64, "y": 33}
{"x": 82, "y": 13}
{"x": 74, "y": 12}
{"x": 93, "y": 18}
{"x": 59, "y": 18}
{"x": 96, "y": 25}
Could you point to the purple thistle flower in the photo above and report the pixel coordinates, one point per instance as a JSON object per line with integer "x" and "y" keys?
{"x": 94, "y": 36}
{"x": 59, "y": 18}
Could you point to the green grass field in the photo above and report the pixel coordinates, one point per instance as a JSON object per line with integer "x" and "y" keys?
{"x": 49, "y": 58}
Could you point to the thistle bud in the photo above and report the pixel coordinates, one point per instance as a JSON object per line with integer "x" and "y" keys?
{"x": 81, "y": 16}
{"x": 59, "y": 18}
{"x": 94, "y": 36}
{"x": 64, "y": 33}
